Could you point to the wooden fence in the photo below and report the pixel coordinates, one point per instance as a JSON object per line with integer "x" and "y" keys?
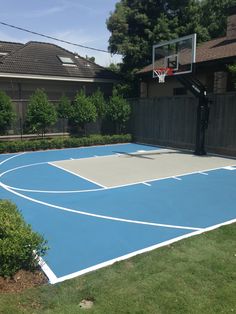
{"x": 171, "y": 121}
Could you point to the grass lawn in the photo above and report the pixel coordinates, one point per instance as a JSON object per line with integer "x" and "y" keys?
{"x": 196, "y": 275}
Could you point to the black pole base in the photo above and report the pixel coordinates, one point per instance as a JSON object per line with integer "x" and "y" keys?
{"x": 200, "y": 152}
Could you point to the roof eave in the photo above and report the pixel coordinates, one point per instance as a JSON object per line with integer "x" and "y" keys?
{"x": 57, "y": 78}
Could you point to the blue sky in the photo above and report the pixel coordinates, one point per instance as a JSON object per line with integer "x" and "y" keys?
{"x": 79, "y": 21}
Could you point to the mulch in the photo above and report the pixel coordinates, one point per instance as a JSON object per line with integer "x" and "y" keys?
{"x": 22, "y": 280}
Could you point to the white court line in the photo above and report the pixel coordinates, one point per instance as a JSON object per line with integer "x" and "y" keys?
{"x": 2, "y": 162}
{"x": 145, "y": 183}
{"x": 21, "y": 167}
{"x": 176, "y": 178}
{"x": 77, "y": 175}
{"x": 203, "y": 173}
{"x": 96, "y": 215}
{"x": 229, "y": 168}
{"x": 99, "y": 189}
{"x": 53, "y": 279}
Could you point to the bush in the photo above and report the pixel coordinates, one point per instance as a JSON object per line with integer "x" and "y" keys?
{"x": 7, "y": 115}
{"x": 57, "y": 143}
{"x": 232, "y": 70}
{"x": 17, "y": 242}
{"x": 41, "y": 114}
{"x": 99, "y": 102}
{"x": 118, "y": 111}
{"x": 83, "y": 111}
{"x": 64, "y": 109}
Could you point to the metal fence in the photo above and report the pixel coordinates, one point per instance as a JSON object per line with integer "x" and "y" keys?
{"x": 171, "y": 121}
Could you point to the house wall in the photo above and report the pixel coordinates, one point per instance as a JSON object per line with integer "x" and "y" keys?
{"x": 151, "y": 88}
{"x": 23, "y": 89}
{"x": 214, "y": 76}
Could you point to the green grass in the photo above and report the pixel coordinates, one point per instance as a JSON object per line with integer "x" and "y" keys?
{"x": 196, "y": 275}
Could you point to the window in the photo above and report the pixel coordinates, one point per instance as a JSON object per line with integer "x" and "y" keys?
{"x": 179, "y": 91}
{"x": 66, "y": 60}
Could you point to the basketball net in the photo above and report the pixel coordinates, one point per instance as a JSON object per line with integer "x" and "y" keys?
{"x": 161, "y": 73}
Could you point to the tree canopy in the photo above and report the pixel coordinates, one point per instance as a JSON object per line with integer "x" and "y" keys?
{"x": 136, "y": 25}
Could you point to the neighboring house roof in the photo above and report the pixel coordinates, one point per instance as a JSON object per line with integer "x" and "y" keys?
{"x": 7, "y": 48}
{"x": 213, "y": 50}
{"x": 43, "y": 59}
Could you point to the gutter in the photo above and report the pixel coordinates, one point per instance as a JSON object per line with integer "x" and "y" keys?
{"x": 56, "y": 78}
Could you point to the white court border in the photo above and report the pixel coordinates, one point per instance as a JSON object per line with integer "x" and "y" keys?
{"x": 54, "y": 279}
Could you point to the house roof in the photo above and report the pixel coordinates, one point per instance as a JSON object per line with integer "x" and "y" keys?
{"x": 213, "y": 50}
{"x": 38, "y": 58}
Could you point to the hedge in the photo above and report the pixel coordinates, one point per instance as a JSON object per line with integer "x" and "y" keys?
{"x": 18, "y": 243}
{"x": 57, "y": 143}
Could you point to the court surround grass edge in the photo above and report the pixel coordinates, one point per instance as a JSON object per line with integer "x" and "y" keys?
{"x": 196, "y": 275}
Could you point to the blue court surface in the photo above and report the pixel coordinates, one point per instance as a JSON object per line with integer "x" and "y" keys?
{"x": 89, "y": 225}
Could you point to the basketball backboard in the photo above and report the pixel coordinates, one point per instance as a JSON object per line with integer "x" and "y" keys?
{"x": 177, "y": 55}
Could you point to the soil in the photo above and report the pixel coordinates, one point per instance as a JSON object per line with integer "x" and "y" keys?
{"x": 22, "y": 280}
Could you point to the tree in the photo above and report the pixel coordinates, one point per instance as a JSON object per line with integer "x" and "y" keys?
{"x": 7, "y": 114}
{"x": 114, "y": 67}
{"x": 41, "y": 114}
{"x": 99, "y": 102}
{"x": 232, "y": 70}
{"x": 214, "y": 16}
{"x": 92, "y": 59}
{"x": 83, "y": 110}
{"x": 64, "y": 109}
{"x": 118, "y": 111}
{"x": 136, "y": 25}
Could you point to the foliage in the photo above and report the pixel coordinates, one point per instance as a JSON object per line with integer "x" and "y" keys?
{"x": 41, "y": 114}
{"x": 214, "y": 13}
{"x": 91, "y": 59}
{"x": 64, "y": 109}
{"x": 57, "y": 143}
{"x": 136, "y": 25}
{"x": 232, "y": 69}
{"x": 83, "y": 110}
{"x": 7, "y": 115}
{"x": 118, "y": 111}
{"x": 17, "y": 242}
{"x": 99, "y": 102}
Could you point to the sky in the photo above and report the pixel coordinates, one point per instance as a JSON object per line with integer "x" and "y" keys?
{"x": 78, "y": 21}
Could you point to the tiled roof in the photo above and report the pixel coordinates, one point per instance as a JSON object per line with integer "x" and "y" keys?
{"x": 36, "y": 58}
{"x": 216, "y": 49}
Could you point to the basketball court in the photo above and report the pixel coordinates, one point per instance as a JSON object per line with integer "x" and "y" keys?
{"x": 103, "y": 204}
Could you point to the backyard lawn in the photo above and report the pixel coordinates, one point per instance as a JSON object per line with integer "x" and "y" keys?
{"x": 196, "y": 275}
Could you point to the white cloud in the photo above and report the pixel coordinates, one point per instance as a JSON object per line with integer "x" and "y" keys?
{"x": 82, "y": 37}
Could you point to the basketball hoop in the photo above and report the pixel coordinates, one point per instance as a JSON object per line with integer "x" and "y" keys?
{"x": 161, "y": 73}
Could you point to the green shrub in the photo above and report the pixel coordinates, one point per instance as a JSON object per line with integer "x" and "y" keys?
{"x": 57, "y": 143}
{"x": 118, "y": 111}
{"x": 41, "y": 114}
{"x": 83, "y": 111}
{"x": 17, "y": 242}
{"x": 99, "y": 102}
{"x": 232, "y": 70}
{"x": 64, "y": 109}
{"x": 7, "y": 114}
